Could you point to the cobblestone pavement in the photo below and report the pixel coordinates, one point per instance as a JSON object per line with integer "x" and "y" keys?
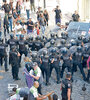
{"x": 77, "y": 93}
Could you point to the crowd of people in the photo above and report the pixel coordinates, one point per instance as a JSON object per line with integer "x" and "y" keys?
{"x": 41, "y": 59}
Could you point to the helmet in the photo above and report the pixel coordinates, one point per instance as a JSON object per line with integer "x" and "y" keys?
{"x": 52, "y": 35}
{"x": 21, "y": 37}
{"x": 63, "y": 41}
{"x": 52, "y": 42}
{"x": 79, "y": 37}
{"x": 86, "y": 48}
{"x": 73, "y": 42}
{"x": 13, "y": 48}
{"x": 38, "y": 38}
{"x": 68, "y": 45}
{"x": 63, "y": 34}
{"x": 64, "y": 50}
{"x": 79, "y": 49}
{"x": 85, "y": 40}
{"x": 31, "y": 38}
{"x": 53, "y": 50}
{"x": 45, "y": 52}
{"x": 12, "y": 36}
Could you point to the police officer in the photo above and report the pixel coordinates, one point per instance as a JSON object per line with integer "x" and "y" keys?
{"x": 3, "y": 53}
{"x": 77, "y": 58}
{"x": 66, "y": 87}
{"x": 54, "y": 63}
{"x": 22, "y": 47}
{"x": 38, "y": 44}
{"x": 85, "y": 56}
{"x": 12, "y": 41}
{"x": 14, "y": 61}
{"x": 31, "y": 43}
{"x": 88, "y": 66}
{"x": 44, "y": 60}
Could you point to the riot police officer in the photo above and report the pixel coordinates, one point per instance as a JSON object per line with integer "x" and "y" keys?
{"x": 12, "y": 41}
{"x": 3, "y": 54}
{"x": 22, "y": 47}
{"x": 85, "y": 56}
{"x": 54, "y": 60}
{"x": 66, "y": 87}
{"x": 67, "y": 62}
{"x": 44, "y": 60}
{"x": 77, "y": 56}
{"x": 38, "y": 44}
{"x": 14, "y": 61}
{"x": 31, "y": 43}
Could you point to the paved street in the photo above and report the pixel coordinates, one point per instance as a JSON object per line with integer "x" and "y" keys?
{"x": 77, "y": 93}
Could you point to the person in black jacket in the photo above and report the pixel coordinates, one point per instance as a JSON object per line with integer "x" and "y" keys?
{"x": 3, "y": 54}
{"x": 14, "y": 61}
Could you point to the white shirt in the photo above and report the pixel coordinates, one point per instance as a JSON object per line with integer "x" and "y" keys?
{"x": 34, "y": 91}
{"x": 27, "y": 5}
{"x": 17, "y": 29}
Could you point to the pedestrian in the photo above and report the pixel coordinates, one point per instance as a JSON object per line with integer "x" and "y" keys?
{"x": 1, "y": 27}
{"x": 76, "y": 17}
{"x": 18, "y": 8}
{"x": 38, "y": 13}
{"x": 46, "y": 15}
{"x": 36, "y": 30}
{"x": 32, "y": 5}
{"x": 27, "y": 7}
{"x": 66, "y": 87}
{"x": 88, "y": 65}
{"x": 10, "y": 20}
{"x": 30, "y": 26}
{"x": 14, "y": 61}
{"x": 37, "y": 76}
{"x": 58, "y": 14}
{"x": 42, "y": 23}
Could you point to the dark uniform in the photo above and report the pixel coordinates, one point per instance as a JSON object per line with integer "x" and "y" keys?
{"x": 38, "y": 44}
{"x": 77, "y": 56}
{"x": 45, "y": 66}
{"x": 14, "y": 61}
{"x": 12, "y": 41}
{"x": 22, "y": 47}
{"x": 3, "y": 54}
{"x": 85, "y": 56}
{"x": 54, "y": 63}
{"x": 67, "y": 63}
{"x": 66, "y": 84}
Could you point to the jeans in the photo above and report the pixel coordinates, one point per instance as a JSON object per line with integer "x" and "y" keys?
{"x": 43, "y": 29}
{"x": 29, "y": 31}
{"x": 10, "y": 23}
{"x": 27, "y": 11}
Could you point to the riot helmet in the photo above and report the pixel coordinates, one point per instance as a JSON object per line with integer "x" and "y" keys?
{"x": 79, "y": 49}
{"x": 63, "y": 41}
{"x": 12, "y": 36}
{"x": 80, "y": 37}
{"x": 86, "y": 48}
{"x": 73, "y": 42}
{"x": 64, "y": 50}
{"x": 52, "y": 42}
{"x": 45, "y": 52}
{"x": 52, "y": 35}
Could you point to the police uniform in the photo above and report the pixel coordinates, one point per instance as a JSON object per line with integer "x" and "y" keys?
{"x": 55, "y": 58}
{"x": 22, "y": 48}
{"x": 66, "y": 84}
{"x": 67, "y": 63}
{"x": 77, "y": 56}
{"x": 14, "y": 61}
{"x": 45, "y": 67}
{"x": 3, "y": 54}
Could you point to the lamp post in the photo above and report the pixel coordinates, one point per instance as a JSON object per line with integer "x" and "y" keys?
{"x": 44, "y": 3}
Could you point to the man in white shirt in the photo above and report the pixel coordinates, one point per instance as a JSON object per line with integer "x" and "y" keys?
{"x": 37, "y": 75}
{"x": 17, "y": 29}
